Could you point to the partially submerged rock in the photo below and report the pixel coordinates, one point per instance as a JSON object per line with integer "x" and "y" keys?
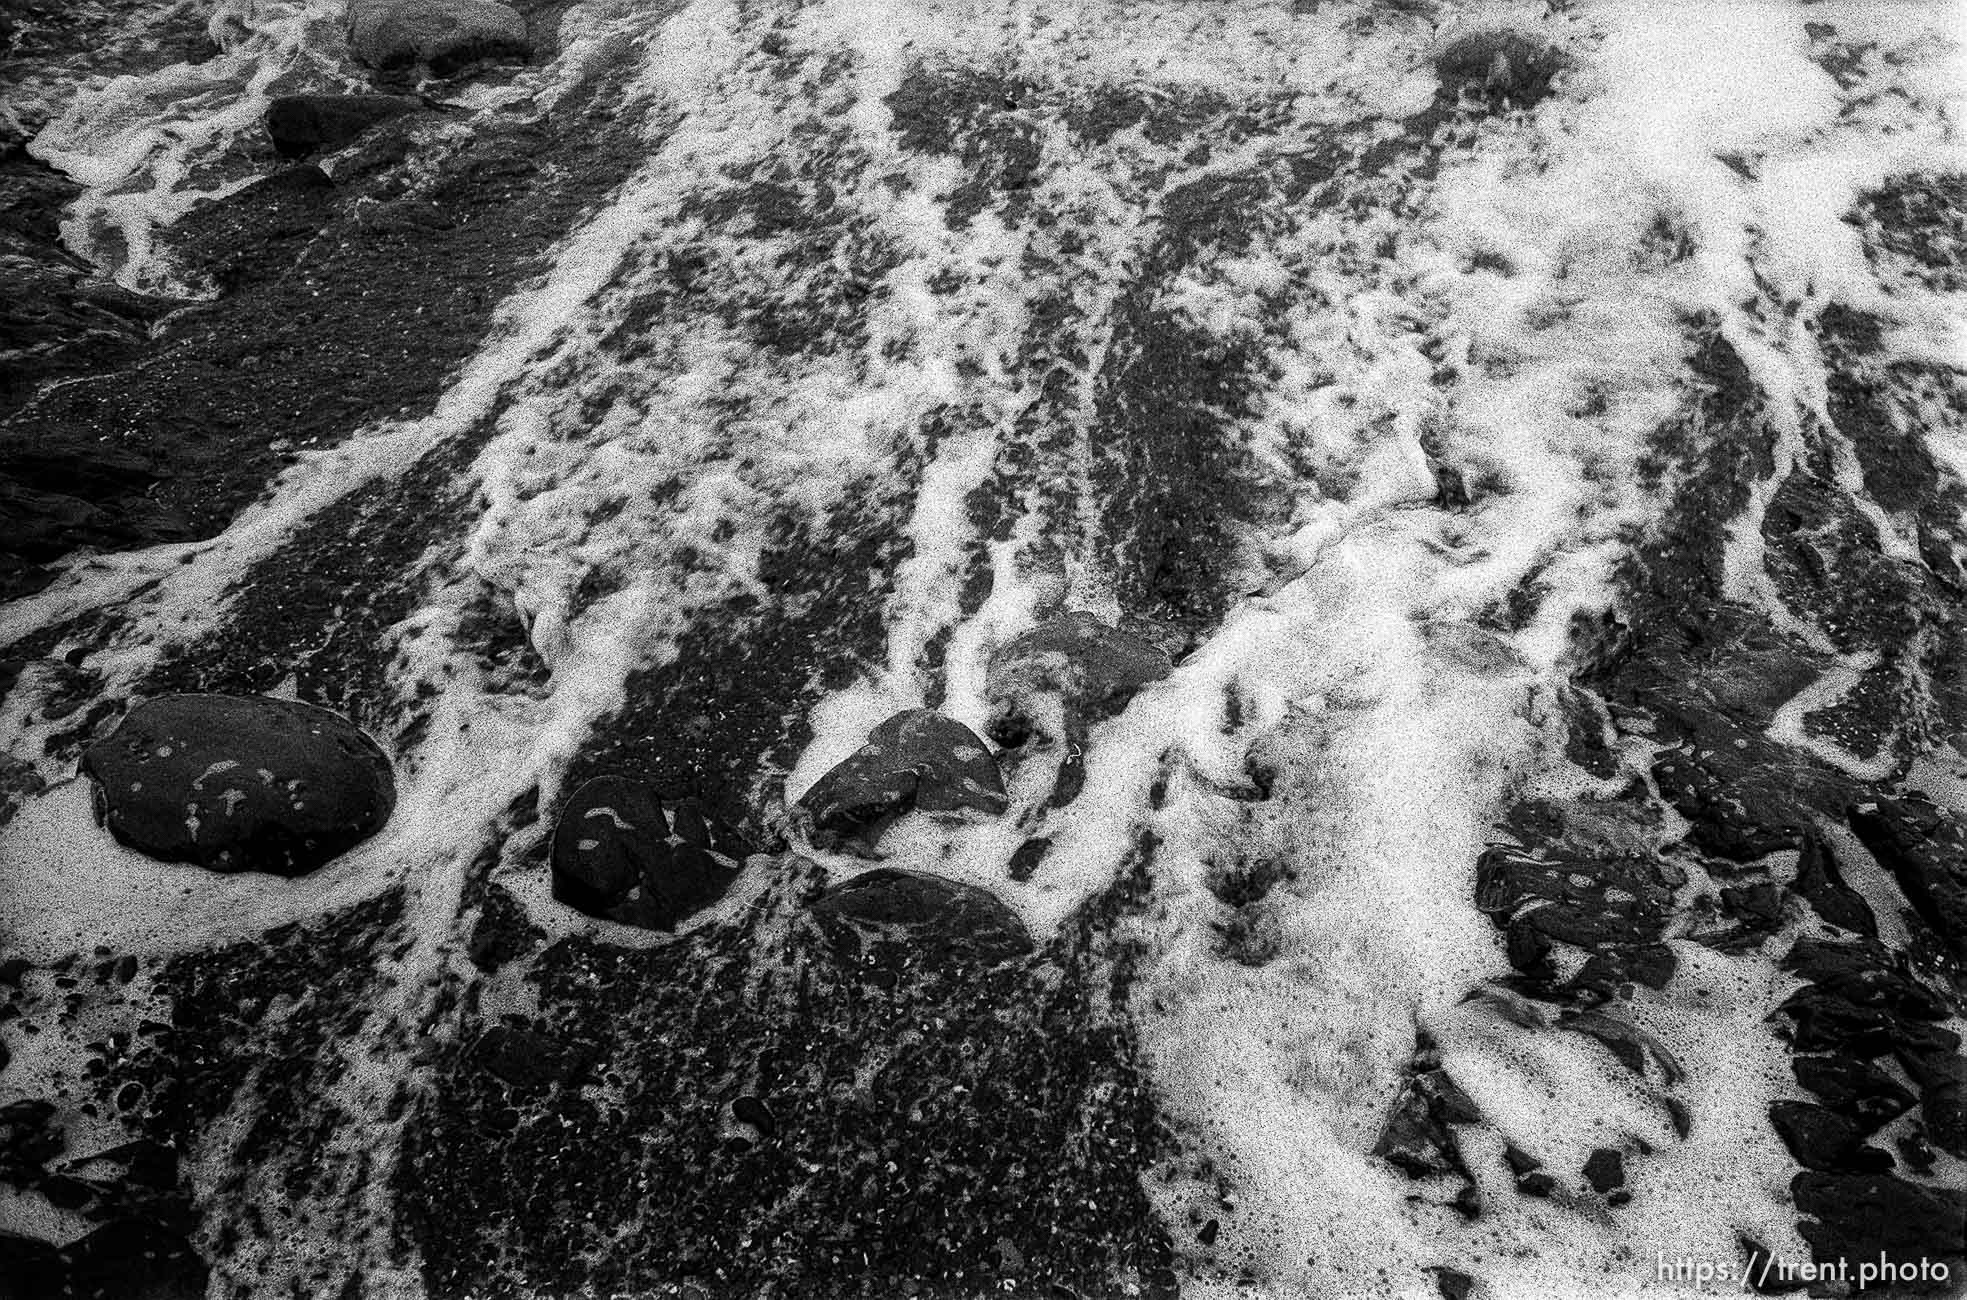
{"x": 302, "y": 124}
{"x": 618, "y": 856}
{"x": 441, "y": 34}
{"x": 892, "y": 916}
{"x": 1616, "y": 910}
{"x": 240, "y": 783}
{"x": 916, "y": 759}
{"x": 1065, "y": 673}
{"x": 1504, "y": 64}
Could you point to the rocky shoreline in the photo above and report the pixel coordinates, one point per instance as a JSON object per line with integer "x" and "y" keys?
{"x": 800, "y": 834}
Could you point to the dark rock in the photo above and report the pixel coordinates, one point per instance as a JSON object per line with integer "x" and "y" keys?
{"x": 442, "y": 34}
{"x": 1822, "y": 1139}
{"x": 1537, "y": 1183}
{"x": 1605, "y": 1170}
{"x": 1925, "y": 849}
{"x": 1916, "y": 1151}
{"x": 1452, "y": 1283}
{"x": 1615, "y": 909}
{"x": 28, "y": 1137}
{"x": 1632, "y": 1045}
{"x": 1822, "y": 1021}
{"x": 1944, "y": 1107}
{"x": 1092, "y": 669}
{"x": 1727, "y": 815}
{"x": 1520, "y": 1162}
{"x": 128, "y": 1257}
{"x": 301, "y": 124}
{"x": 1866, "y": 1216}
{"x": 902, "y": 916}
{"x": 1507, "y": 66}
{"x": 523, "y": 1058}
{"x": 1415, "y": 1141}
{"x": 617, "y": 856}
{"x": 916, "y": 759}
{"x": 1821, "y": 883}
{"x": 1856, "y": 1089}
{"x": 240, "y": 783}
{"x": 1763, "y": 1271}
{"x": 1024, "y": 862}
{"x": 1862, "y": 973}
{"x": 1758, "y": 906}
{"x": 750, "y": 1110}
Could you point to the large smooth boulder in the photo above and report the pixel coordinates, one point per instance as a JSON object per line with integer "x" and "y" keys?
{"x": 300, "y": 125}
{"x": 916, "y": 759}
{"x": 894, "y": 917}
{"x": 620, "y": 856}
{"x": 1068, "y": 671}
{"x": 440, "y": 34}
{"x": 240, "y": 783}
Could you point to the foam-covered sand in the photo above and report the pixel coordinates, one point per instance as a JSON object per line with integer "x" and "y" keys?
{"x": 1510, "y": 316}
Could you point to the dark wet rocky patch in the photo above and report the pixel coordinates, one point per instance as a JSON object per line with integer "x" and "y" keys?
{"x": 619, "y": 854}
{"x": 442, "y": 35}
{"x": 723, "y": 720}
{"x": 240, "y": 784}
{"x": 917, "y": 759}
{"x": 786, "y": 1108}
{"x": 344, "y": 302}
{"x": 1613, "y": 911}
{"x": 1504, "y": 66}
{"x": 1924, "y": 847}
{"x": 1419, "y": 1136}
{"x": 1066, "y": 674}
{"x": 1914, "y": 1229}
{"x": 979, "y": 118}
{"x": 300, "y": 125}
{"x": 1701, "y": 680}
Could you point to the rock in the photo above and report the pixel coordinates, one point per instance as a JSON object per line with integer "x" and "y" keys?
{"x": 893, "y": 916}
{"x": 126, "y": 1257}
{"x": 1615, "y": 909}
{"x": 1822, "y": 1021}
{"x": 442, "y": 34}
{"x": 617, "y": 856}
{"x": 1509, "y": 66}
{"x": 301, "y": 124}
{"x": 1925, "y": 849}
{"x": 1605, "y": 1170}
{"x": 1089, "y": 670}
{"x": 1452, "y": 1283}
{"x": 1025, "y": 861}
{"x": 1822, "y": 1139}
{"x": 240, "y": 783}
{"x": 1821, "y": 884}
{"x": 1944, "y": 1108}
{"x": 916, "y": 759}
{"x": 1856, "y": 1089}
{"x": 1862, "y": 974}
{"x": 1866, "y": 1216}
